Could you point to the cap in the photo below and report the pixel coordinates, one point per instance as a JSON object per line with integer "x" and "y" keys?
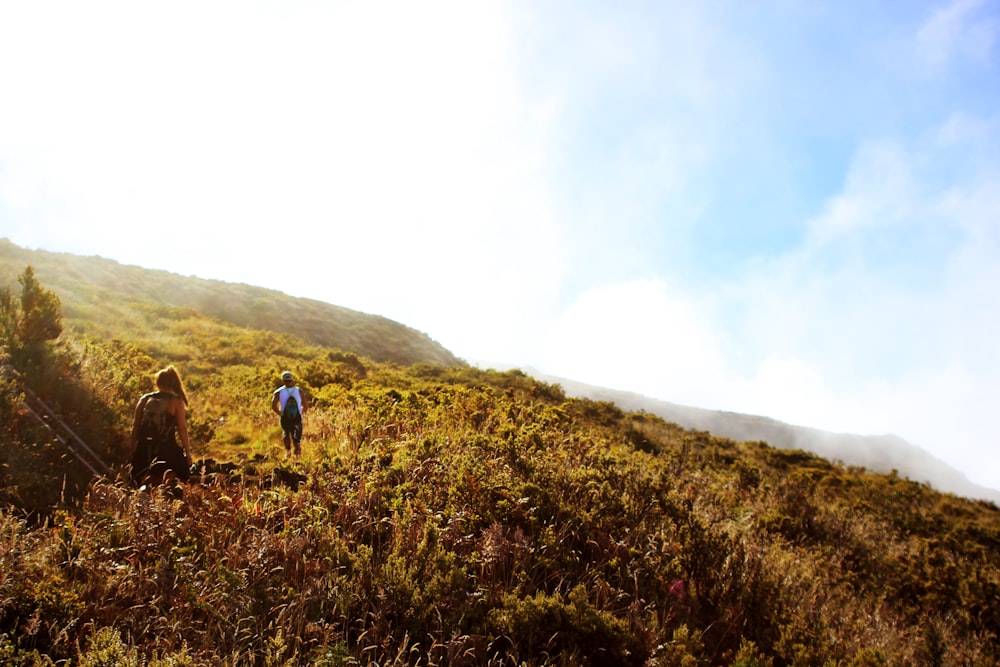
{"x": 287, "y": 375}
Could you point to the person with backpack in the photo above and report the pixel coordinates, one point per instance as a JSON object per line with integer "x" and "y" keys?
{"x": 289, "y": 402}
{"x": 160, "y": 421}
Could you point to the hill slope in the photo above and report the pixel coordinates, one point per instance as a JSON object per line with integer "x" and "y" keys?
{"x": 881, "y": 453}
{"x": 104, "y": 298}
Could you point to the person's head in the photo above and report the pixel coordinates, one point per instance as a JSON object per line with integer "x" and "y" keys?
{"x": 288, "y": 379}
{"x": 169, "y": 379}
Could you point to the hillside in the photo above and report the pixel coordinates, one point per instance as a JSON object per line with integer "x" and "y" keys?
{"x": 103, "y": 298}
{"x": 447, "y": 515}
{"x": 880, "y": 453}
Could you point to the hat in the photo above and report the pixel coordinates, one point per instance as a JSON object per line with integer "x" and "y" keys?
{"x": 287, "y": 375}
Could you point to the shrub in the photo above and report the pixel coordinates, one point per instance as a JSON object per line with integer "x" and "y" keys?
{"x": 571, "y": 628}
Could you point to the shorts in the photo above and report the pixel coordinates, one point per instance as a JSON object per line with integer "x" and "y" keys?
{"x": 292, "y": 428}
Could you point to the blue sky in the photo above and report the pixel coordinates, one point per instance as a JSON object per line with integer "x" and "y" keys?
{"x": 782, "y": 208}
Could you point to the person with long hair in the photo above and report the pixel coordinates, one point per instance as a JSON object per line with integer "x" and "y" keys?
{"x": 160, "y": 421}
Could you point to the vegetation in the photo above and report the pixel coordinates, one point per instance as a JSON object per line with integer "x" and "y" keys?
{"x": 446, "y": 515}
{"x": 105, "y": 299}
{"x": 29, "y": 321}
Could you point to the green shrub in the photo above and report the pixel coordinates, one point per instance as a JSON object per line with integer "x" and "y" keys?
{"x": 571, "y": 628}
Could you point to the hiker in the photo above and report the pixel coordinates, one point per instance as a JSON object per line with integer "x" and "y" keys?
{"x": 159, "y": 420}
{"x": 289, "y": 402}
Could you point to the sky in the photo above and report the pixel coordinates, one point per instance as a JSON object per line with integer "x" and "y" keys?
{"x": 782, "y": 208}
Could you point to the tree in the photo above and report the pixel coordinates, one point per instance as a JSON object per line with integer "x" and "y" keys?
{"x": 41, "y": 311}
{"x": 27, "y": 325}
{"x": 8, "y": 319}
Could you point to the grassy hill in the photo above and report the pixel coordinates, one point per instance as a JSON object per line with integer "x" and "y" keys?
{"x": 881, "y": 453}
{"x": 446, "y": 515}
{"x": 106, "y": 299}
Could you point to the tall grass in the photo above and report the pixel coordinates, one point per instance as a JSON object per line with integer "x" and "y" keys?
{"x": 492, "y": 521}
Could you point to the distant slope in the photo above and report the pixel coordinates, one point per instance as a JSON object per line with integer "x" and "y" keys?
{"x": 879, "y": 453}
{"x": 101, "y": 296}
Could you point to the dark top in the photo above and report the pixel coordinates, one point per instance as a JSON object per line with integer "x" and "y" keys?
{"x": 157, "y": 450}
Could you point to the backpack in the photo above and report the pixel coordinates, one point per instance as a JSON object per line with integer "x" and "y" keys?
{"x": 291, "y": 410}
{"x": 156, "y": 424}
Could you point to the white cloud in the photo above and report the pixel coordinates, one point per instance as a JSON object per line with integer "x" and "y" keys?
{"x": 885, "y": 318}
{"x": 877, "y": 193}
{"x": 639, "y": 336}
{"x": 964, "y": 29}
{"x": 346, "y": 151}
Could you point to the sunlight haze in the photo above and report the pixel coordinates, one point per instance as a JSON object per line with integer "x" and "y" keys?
{"x": 782, "y": 209}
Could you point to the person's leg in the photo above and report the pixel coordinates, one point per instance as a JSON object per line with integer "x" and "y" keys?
{"x": 157, "y": 471}
{"x": 142, "y": 459}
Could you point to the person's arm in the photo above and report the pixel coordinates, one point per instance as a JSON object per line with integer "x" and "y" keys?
{"x": 182, "y": 429}
{"x": 302, "y": 400}
{"x": 276, "y": 402}
{"x": 137, "y": 419}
